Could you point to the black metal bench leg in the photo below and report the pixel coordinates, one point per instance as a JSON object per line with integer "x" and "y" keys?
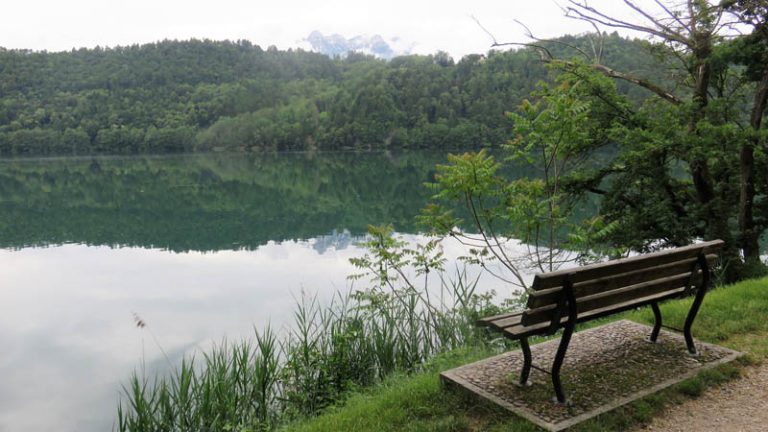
{"x": 702, "y": 261}
{"x": 569, "y": 300}
{"x": 657, "y": 324}
{"x": 526, "y": 372}
{"x": 558, "y": 363}
{"x": 689, "y": 323}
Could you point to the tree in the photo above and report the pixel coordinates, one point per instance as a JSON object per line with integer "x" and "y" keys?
{"x": 555, "y": 137}
{"x": 701, "y": 127}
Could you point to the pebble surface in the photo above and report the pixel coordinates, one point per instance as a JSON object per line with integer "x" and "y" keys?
{"x": 602, "y": 365}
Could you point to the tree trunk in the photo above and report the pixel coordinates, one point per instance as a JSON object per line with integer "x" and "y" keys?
{"x": 749, "y": 233}
{"x": 717, "y": 225}
{"x": 702, "y": 180}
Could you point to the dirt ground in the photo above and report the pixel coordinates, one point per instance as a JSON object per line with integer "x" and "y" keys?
{"x": 740, "y": 405}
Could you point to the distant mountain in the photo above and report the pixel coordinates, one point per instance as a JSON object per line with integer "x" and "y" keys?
{"x": 337, "y": 45}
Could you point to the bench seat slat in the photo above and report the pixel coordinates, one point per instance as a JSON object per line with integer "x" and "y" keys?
{"x": 487, "y": 321}
{"x": 507, "y": 321}
{"x": 594, "y": 286}
{"x": 516, "y": 331}
{"x": 608, "y": 268}
{"x": 628, "y": 294}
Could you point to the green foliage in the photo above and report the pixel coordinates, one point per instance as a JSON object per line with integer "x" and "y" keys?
{"x": 687, "y": 161}
{"x": 234, "y": 390}
{"x": 177, "y": 96}
{"x": 651, "y": 192}
{"x": 555, "y": 137}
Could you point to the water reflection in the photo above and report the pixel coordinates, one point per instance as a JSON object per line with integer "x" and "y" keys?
{"x": 200, "y": 247}
{"x": 208, "y": 202}
{"x": 68, "y": 332}
{"x": 67, "y": 326}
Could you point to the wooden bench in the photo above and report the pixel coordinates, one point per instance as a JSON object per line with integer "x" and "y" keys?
{"x": 564, "y": 298}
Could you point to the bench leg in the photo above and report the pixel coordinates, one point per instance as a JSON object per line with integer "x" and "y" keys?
{"x": 689, "y": 323}
{"x": 657, "y": 324}
{"x": 526, "y": 361}
{"x": 558, "y": 363}
{"x": 569, "y": 299}
{"x": 700, "y": 293}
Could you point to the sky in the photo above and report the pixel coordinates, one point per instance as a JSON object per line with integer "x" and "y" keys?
{"x": 447, "y": 25}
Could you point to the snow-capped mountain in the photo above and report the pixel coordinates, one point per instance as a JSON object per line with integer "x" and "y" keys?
{"x": 338, "y": 45}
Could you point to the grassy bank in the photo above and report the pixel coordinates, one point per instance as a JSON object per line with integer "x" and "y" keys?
{"x": 732, "y": 316}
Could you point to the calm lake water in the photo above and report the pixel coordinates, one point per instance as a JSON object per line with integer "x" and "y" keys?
{"x": 200, "y": 247}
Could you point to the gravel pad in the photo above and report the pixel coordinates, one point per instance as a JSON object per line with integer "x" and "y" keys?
{"x": 605, "y": 367}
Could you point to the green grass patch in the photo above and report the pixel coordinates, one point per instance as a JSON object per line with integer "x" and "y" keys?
{"x": 417, "y": 403}
{"x": 734, "y": 316}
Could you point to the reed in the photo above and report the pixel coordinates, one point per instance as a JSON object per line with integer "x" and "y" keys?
{"x": 360, "y": 337}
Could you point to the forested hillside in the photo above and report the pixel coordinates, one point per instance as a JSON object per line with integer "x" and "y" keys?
{"x": 175, "y": 96}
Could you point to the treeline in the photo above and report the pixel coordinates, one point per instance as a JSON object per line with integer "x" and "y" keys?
{"x": 177, "y": 96}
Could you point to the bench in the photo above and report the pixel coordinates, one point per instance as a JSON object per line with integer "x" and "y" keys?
{"x": 564, "y": 298}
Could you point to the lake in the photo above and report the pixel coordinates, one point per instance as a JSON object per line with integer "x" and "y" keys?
{"x": 198, "y": 247}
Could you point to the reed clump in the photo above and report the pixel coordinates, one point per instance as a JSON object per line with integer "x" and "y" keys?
{"x": 392, "y": 325}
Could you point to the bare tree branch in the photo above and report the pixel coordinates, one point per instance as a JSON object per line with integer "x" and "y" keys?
{"x": 657, "y": 22}
{"x": 605, "y": 70}
{"x": 573, "y": 47}
{"x": 673, "y": 15}
{"x": 479, "y": 24}
{"x": 544, "y": 52}
{"x": 598, "y": 53}
{"x": 547, "y": 57}
{"x": 581, "y": 10}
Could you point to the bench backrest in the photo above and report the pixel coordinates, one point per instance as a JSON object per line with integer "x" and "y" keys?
{"x": 618, "y": 284}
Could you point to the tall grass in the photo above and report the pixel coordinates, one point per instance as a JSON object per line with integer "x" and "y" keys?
{"x": 393, "y": 324}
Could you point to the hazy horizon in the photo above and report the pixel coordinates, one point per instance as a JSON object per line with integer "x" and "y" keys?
{"x": 451, "y": 27}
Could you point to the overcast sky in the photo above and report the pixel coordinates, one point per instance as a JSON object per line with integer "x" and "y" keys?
{"x": 57, "y": 25}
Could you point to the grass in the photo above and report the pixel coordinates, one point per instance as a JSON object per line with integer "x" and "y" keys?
{"x": 734, "y": 316}
{"x": 416, "y": 403}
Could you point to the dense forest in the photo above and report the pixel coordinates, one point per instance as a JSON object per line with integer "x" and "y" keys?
{"x": 202, "y": 95}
